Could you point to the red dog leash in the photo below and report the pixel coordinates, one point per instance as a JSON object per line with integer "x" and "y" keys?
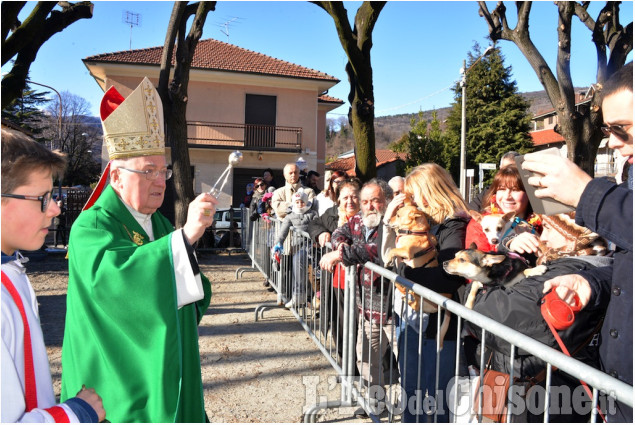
{"x": 560, "y": 315}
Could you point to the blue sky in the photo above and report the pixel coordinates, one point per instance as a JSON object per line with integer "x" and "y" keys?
{"x": 418, "y": 47}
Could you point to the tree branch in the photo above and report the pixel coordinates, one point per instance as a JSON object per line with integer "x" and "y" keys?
{"x": 580, "y": 11}
{"x": 10, "y": 12}
{"x": 27, "y": 31}
{"x": 36, "y": 32}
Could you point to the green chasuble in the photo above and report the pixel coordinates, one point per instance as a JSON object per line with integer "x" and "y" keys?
{"x": 124, "y": 335}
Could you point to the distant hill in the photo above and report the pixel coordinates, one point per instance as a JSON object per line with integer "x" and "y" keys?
{"x": 390, "y": 128}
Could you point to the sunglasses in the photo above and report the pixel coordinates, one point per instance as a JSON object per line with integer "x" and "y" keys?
{"x": 260, "y": 185}
{"x": 618, "y": 130}
{"x": 44, "y": 200}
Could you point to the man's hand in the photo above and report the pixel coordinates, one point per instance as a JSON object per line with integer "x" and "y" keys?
{"x": 200, "y": 215}
{"x": 567, "y": 286}
{"x": 559, "y": 178}
{"x": 94, "y": 400}
{"x": 330, "y": 260}
{"x": 525, "y": 243}
{"x": 323, "y": 238}
{"x": 393, "y": 206}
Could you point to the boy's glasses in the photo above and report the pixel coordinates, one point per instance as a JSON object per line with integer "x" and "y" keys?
{"x": 618, "y": 131}
{"x": 44, "y": 200}
{"x": 151, "y": 174}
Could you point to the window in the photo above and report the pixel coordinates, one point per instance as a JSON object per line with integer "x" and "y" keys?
{"x": 260, "y": 121}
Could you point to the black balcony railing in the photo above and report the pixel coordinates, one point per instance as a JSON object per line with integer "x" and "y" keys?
{"x": 246, "y": 136}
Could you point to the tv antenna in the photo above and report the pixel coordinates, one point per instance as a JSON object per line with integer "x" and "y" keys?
{"x": 224, "y": 27}
{"x": 132, "y": 19}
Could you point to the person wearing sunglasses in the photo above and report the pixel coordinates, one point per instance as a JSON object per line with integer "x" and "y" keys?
{"x": 27, "y": 209}
{"x": 135, "y": 291}
{"x": 607, "y": 209}
{"x": 260, "y": 188}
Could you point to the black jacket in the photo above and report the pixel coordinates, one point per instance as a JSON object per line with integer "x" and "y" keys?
{"x": 451, "y": 239}
{"x": 607, "y": 209}
{"x": 253, "y": 206}
{"x": 327, "y": 222}
{"x": 518, "y": 307}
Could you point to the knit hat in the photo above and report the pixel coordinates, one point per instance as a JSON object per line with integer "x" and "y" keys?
{"x": 133, "y": 126}
{"x": 300, "y": 195}
{"x": 580, "y": 240}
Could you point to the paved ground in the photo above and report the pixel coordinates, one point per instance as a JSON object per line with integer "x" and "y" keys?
{"x": 265, "y": 371}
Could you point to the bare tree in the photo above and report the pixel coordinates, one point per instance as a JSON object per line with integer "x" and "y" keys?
{"x": 174, "y": 93}
{"x": 357, "y": 43}
{"x": 27, "y": 37}
{"x": 80, "y": 136}
{"x": 580, "y": 127}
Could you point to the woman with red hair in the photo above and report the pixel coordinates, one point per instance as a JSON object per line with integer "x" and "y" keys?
{"x": 506, "y": 195}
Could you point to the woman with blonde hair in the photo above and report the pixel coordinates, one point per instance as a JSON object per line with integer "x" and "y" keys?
{"x": 432, "y": 189}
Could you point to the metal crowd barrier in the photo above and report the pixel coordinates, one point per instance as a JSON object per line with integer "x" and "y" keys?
{"x": 375, "y": 372}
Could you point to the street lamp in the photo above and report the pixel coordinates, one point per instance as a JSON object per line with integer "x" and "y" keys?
{"x": 464, "y": 72}
{"x": 59, "y": 118}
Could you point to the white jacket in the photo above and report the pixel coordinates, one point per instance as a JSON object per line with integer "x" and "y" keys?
{"x": 13, "y": 404}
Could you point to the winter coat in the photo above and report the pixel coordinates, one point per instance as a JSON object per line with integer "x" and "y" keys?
{"x": 518, "y": 307}
{"x": 300, "y": 222}
{"x": 607, "y": 209}
{"x": 359, "y": 246}
{"x": 326, "y": 222}
{"x": 253, "y": 206}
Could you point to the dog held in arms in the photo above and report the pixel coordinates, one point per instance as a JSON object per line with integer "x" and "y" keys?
{"x": 417, "y": 247}
{"x": 489, "y": 269}
{"x": 496, "y": 226}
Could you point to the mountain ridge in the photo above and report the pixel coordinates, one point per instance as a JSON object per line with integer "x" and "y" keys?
{"x": 389, "y": 128}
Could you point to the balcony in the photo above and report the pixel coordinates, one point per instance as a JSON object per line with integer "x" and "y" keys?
{"x": 244, "y": 136}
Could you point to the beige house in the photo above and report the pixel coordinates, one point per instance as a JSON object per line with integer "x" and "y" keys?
{"x": 271, "y": 110}
{"x": 607, "y": 162}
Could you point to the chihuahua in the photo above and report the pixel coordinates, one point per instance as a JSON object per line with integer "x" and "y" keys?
{"x": 489, "y": 269}
{"x": 494, "y": 225}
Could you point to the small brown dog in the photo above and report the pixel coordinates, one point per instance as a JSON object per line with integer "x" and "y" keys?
{"x": 414, "y": 243}
{"x": 417, "y": 247}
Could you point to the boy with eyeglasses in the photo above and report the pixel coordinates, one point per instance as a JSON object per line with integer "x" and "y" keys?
{"x": 607, "y": 209}
{"x": 27, "y": 212}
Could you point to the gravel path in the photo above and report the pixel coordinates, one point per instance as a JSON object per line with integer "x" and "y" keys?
{"x": 265, "y": 371}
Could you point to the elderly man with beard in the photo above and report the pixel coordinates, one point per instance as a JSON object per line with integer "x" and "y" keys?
{"x": 355, "y": 243}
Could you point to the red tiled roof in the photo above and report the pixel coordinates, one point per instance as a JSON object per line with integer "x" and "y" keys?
{"x": 328, "y": 99}
{"x": 544, "y": 137}
{"x": 217, "y": 55}
{"x": 383, "y": 156}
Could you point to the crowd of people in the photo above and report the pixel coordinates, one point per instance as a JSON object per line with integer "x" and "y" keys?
{"x": 583, "y": 252}
{"x": 130, "y": 351}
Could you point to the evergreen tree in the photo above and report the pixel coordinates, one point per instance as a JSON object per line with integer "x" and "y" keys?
{"x": 497, "y": 116}
{"x": 24, "y": 112}
{"x": 423, "y": 143}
